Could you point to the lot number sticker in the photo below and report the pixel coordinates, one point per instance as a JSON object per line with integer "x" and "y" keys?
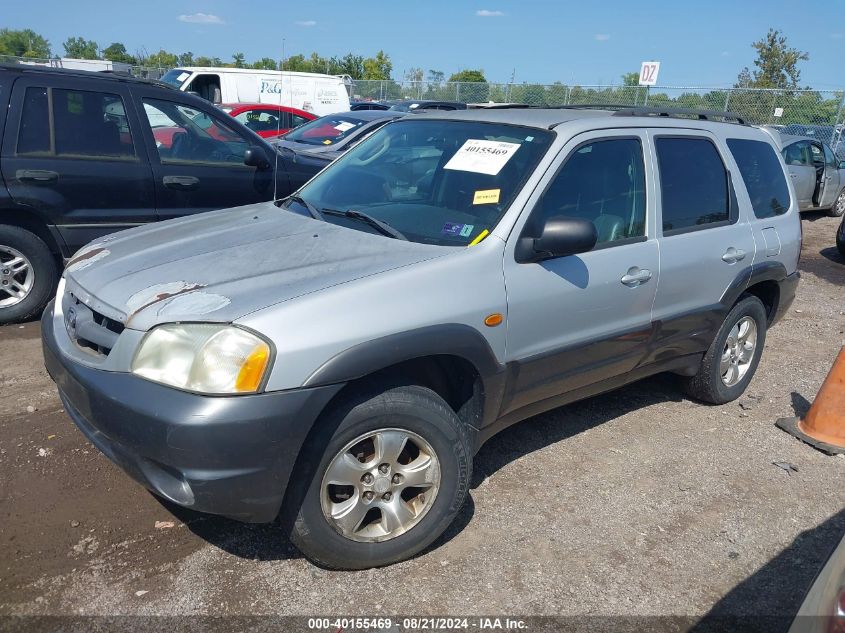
{"x": 482, "y": 157}
{"x": 343, "y": 126}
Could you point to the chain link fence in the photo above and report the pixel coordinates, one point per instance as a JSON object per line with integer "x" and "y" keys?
{"x": 818, "y": 113}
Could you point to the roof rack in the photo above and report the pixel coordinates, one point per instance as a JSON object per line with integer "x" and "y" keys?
{"x": 681, "y": 113}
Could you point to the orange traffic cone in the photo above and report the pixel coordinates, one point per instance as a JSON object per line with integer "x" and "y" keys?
{"x": 824, "y": 425}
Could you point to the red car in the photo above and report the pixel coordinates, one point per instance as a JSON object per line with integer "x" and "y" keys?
{"x": 267, "y": 120}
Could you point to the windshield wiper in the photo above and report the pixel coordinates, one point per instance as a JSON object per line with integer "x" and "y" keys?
{"x": 381, "y": 227}
{"x": 314, "y": 211}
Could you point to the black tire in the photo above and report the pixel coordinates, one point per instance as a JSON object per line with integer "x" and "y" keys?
{"x": 837, "y": 210}
{"x": 840, "y": 242}
{"x": 707, "y": 385}
{"x": 411, "y": 408}
{"x": 43, "y": 266}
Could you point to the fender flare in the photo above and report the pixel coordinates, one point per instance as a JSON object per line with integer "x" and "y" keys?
{"x": 452, "y": 339}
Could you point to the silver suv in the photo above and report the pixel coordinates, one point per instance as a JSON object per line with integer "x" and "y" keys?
{"x": 337, "y": 358}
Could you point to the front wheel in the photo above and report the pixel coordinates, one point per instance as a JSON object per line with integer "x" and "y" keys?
{"x": 732, "y": 358}
{"x": 28, "y": 274}
{"x": 390, "y": 479}
{"x": 838, "y": 208}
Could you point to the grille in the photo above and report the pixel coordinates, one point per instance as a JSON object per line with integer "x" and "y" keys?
{"x": 89, "y": 330}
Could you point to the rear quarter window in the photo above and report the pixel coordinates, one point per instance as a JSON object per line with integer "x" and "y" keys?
{"x": 763, "y": 176}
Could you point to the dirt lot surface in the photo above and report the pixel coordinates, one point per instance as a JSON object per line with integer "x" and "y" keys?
{"x": 638, "y": 502}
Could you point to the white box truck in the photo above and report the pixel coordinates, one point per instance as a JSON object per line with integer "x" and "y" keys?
{"x": 312, "y": 92}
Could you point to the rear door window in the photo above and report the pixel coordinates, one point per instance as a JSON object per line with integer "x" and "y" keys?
{"x": 798, "y": 154}
{"x": 763, "y": 176}
{"x": 85, "y": 124}
{"x": 693, "y": 184}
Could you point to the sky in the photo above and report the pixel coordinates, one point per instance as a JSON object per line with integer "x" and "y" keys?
{"x": 702, "y": 44}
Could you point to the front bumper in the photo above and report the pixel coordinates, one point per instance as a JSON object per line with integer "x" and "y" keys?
{"x": 227, "y": 455}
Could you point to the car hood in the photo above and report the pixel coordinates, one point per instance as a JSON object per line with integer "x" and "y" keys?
{"x": 222, "y": 265}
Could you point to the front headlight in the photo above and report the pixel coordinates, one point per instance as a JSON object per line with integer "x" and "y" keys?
{"x": 203, "y": 357}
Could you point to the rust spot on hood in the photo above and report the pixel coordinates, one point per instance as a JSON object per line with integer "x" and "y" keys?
{"x": 160, "y": 292}
{"x": 87, "y": 257}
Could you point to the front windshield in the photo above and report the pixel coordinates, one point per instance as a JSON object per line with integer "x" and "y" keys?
{"x": 327, "y": 130}
{"x": 175, "y": 77}
{"x": 442, "y": 182}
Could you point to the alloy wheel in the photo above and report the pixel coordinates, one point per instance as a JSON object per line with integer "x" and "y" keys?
{"x": 739, "y": 351}
{"x": 17, "y": 276}
{"x": 380, "y": 485}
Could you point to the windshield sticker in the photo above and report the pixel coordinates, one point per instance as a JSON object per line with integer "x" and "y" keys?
{"x": 458, "y": 230}
{"x": 482, "y": 157}
{"x": 183, "y": 76}
{"x": 344, "y": 126}
{"x": 486, "y": 196}
{"x": 328, "y": 141}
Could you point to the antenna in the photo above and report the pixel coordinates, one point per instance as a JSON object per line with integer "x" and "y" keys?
{"x": 278, "y": 128}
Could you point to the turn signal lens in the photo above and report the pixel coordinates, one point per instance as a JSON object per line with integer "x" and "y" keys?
{"x": 492, "y": 320}
{"x": 252, "y": 371}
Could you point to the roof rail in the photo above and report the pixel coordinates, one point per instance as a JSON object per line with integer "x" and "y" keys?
{"x": 681, "y": 113}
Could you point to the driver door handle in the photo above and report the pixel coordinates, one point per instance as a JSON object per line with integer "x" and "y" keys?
{"x": 733, "y": 255}
{"x": 36, "y": 175}
{"x": 180, "y": 182}
{"x": 636, "y": 276}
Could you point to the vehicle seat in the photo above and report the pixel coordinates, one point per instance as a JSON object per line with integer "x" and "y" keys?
{"x": 609, "y": 227}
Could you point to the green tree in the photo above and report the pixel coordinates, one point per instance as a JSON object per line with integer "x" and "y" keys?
{"x": 186, "y": 59}
{"x": 468, "y": 75}
{"x": 631, "y": 79}
{"x": 116, "y": 52}
{"x": 378, "y": 67}
{"x": 435, "y": 76}
{"x": 80, "y": 48}
{"x": 238, "y": 60}
{"x": 162, "y": 59}
{"x": 23, "y": 43}
{"x": 265, "y": 63}
{"x": 350, "y": 64}
{"x": 777, "y": 63}
{"x": 208, "y": 61}
{"x": 295, "y": 63}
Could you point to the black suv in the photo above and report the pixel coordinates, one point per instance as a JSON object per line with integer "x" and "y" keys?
{"x": 85, "y": 154}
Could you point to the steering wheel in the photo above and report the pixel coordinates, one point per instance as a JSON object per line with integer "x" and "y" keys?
{"x": 374, "y": 153}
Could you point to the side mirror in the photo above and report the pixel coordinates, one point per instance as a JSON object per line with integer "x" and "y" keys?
{"x": 560, "y": 237}
{"x": 255, "y": 157}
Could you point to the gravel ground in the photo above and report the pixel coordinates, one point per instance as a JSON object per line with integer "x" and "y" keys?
{"x": 638, "y": 502}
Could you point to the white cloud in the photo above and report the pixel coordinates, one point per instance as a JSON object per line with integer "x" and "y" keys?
{"x": 601, "y": 37}
{"x": 201, "y": 18}
{"x": 306, "y": 23}
{"x": 725, "y": 54}
{"x": 486, "y": 13}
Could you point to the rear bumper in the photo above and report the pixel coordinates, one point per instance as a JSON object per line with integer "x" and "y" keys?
{"x": 231, "y": 456}
{"x": 788, "y": 286}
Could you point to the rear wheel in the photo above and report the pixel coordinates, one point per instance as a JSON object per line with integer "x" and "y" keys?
{"x": 732, "y": 358}
{"x": 838, "y": 208}
{"x": 390, "y": 479}
{"x": 840, "y": 240}
{"x": 28, "y": 274}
